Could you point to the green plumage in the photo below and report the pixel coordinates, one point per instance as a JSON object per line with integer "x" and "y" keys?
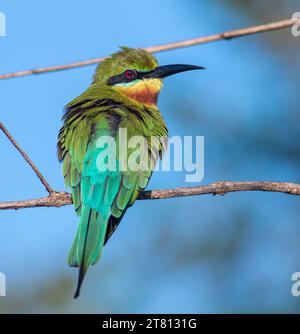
{"x": 102, "y": 198}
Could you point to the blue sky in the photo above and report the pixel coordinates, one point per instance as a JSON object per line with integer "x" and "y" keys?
{"x": 200, "y": 254}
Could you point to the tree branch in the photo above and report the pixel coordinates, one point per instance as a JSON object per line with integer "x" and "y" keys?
{"x": 164, "y": 47}
{"x": 58, "y": 199}
{"x": 28, "y": 160}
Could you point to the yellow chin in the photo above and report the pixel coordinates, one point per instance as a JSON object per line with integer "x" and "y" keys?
{"x": 143, "y": 91}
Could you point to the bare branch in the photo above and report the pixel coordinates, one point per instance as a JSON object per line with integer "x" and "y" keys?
{"x": 164, "y": 47}
{"x": 57, "y": 199}
{"x": 28, "y": 160}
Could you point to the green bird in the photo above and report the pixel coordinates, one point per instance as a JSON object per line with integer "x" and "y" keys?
{"x": 123, "y": 95}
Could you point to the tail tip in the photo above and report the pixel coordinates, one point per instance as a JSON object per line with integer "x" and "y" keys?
{"x": 77, "y": 293}
{"x": 80, "y": 280}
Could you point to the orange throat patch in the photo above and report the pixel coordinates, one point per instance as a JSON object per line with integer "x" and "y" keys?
{"x": 144, "y": 91}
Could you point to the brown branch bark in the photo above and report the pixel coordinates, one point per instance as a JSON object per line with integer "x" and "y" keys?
{"x": 28, "y": 160}
{"x": 164, "y": 47}
{"x": 58, "y": 199}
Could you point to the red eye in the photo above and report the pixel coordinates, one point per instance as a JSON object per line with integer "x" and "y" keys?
{"x": 130, "y": 74}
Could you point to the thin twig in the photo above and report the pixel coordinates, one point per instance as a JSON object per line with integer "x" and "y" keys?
{"x": 58, "y": 199}
{"x": 164, "y": 47}
{"x": 28, "y": 160}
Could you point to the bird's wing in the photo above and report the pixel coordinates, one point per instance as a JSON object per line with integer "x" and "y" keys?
{"x": 104, "y": 193}
{"x": 133, "y": 182}
{"x": 72, "y": 144}
{"x": 128, "y": 191}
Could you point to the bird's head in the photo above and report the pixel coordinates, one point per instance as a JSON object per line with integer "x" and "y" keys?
{"x": 135, "y": 73}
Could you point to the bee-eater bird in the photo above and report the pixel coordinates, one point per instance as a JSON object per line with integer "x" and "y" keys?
{"x": 123, "y": 95}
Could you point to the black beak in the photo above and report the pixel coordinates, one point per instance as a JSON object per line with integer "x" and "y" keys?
{"x": 165, "y": 71}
